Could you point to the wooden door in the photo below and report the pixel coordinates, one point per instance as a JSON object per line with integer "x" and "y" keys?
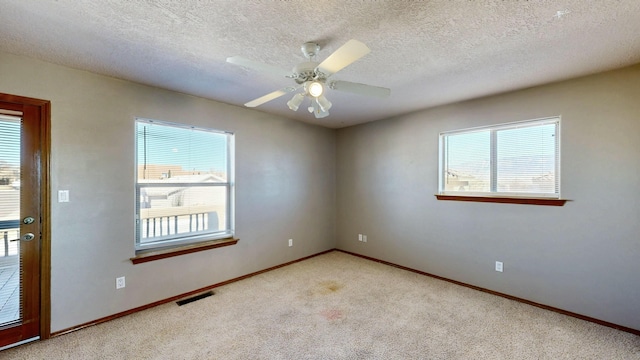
{"x": 24, "y": 244}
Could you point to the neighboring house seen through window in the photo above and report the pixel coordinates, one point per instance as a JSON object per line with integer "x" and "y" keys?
{"x": 515, "y": 159}
{"x": 184, "y": 184}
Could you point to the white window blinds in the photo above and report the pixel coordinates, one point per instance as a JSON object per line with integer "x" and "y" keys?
{"x": 183, "y": 185}
{"x": 10, "y": 273}
{"x": 516, "y": 159}
{"x": 10, "y": 129}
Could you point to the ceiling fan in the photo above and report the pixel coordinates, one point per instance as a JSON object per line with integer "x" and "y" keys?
{"x": 313, "y": 78}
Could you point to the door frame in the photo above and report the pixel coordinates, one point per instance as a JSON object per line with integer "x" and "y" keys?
{"x": 42, "y": 115}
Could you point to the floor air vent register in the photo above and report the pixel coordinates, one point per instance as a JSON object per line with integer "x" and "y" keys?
{"x": 194, "y": 298}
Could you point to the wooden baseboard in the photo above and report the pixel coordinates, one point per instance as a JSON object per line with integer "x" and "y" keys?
{"x": 510, "y": 297}
{"x": 194, "y": 292}
{"x": 178, "y": 297}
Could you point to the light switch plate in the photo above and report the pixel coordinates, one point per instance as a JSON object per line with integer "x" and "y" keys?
{"x": 63, "y": 196}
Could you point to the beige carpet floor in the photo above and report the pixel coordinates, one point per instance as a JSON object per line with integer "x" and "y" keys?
{"x": 338, "y": 306}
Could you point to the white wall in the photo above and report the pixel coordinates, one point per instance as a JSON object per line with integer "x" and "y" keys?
{"x": 583, "y": 257}
{"x": 285, "y": 176}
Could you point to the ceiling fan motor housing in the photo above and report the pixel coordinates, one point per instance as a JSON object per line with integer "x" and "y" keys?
{"x": 310, "y": 49}
{"x": 306, "y": 72}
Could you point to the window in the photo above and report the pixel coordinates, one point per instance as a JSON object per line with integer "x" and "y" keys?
{"x": 184, "y": 184}
{"x": 519, "y": 159}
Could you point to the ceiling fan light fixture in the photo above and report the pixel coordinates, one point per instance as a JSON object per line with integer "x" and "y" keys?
{"x": 314, "y": 88}
{"x": 295, "y": 102}
{"x": 321, "y": 114}
{"x": 317, "y": 110}
{"x": 324, "y": 103}
{"x": 312, "y": 77}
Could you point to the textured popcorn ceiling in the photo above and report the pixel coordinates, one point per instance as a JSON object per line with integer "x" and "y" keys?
{"x": 427, "y": 52}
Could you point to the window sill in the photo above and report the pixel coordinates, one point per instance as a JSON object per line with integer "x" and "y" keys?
{"x": 153, "y": 255}
{"x": 504, "y": 200}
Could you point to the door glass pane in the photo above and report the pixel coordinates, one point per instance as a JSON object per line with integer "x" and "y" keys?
{"x": 10, "y": 291}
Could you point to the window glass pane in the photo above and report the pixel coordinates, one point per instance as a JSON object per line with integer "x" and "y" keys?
{"x": 512, "y": 159}
{"x": 183, "y": 184}
{"x": 176, "y": 212}
{"x": 467, "y": 162}
{"x": 181, "y": 153}
{"x": 526, "y": 160}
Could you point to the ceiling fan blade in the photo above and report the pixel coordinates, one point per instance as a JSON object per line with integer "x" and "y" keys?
{"x": 348, "y": 53}
{"x": 270, "y": 96}
{"x": 361, "y": 89}
{"x": 254, "y": 65}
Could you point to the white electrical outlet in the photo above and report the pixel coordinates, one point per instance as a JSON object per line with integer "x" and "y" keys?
{"x": 359, "y": 237}
{"x": 499, "y": 266}
{"x": 120, "y": 283}
{"x": 290, "y": 242}
{"x": 364, "y": 238}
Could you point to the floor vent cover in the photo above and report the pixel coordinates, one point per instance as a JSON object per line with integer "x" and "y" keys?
{"x": 195, "y": 298}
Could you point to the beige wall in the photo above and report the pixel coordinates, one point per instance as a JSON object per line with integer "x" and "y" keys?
{"x": 285, "y": 188}
{"x": 583, "y": 257}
